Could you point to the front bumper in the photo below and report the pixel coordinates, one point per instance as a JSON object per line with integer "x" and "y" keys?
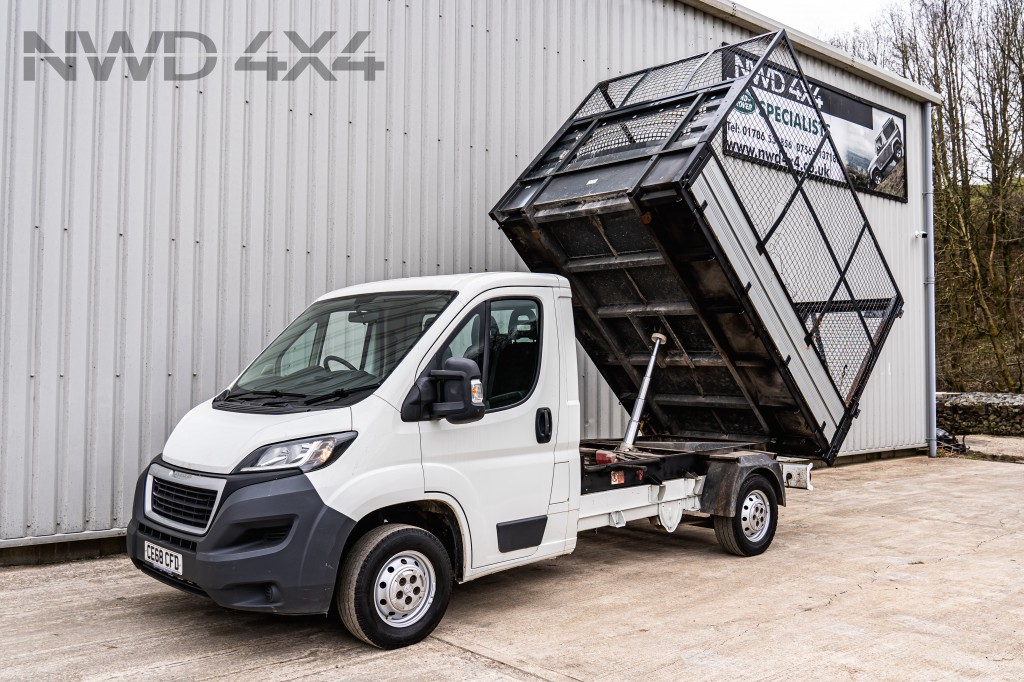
{"x": 273, "y": 546}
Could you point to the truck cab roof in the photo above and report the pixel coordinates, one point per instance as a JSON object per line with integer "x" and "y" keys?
{"x": 469, "y": 284}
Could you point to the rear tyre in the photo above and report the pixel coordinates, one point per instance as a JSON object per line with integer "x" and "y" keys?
{"x": 394, "y": 586}
{"x": 752, "y": 530}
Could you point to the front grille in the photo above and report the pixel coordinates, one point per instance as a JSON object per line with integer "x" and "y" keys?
{"x": 272, "y": 535}
{"x": 167, "y": 538}
{"x": 183, "y": 504}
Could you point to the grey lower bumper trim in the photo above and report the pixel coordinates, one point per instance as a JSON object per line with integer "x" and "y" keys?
{"x": 273, "y": 547}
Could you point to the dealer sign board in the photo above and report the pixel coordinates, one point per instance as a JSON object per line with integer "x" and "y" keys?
{"x": 870, "y": 140}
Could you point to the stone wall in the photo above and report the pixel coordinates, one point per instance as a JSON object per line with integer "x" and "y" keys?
{"x": 994, "y": 414}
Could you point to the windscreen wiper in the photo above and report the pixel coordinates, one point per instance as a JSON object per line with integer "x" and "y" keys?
{"x": 260, "y": 393}
{"x": 337, "y": 394}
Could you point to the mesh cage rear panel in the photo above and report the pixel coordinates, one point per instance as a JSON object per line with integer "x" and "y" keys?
{"x": 756, "y": 260}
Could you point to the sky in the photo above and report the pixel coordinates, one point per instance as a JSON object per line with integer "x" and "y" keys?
{"x": 819, "y": 18}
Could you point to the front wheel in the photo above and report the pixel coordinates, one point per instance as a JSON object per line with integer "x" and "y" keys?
{"x": 394, "y": 586}
{"x": 752, "y": 529}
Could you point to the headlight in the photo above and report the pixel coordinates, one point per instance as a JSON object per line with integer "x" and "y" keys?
{"x": 305, "y": 454}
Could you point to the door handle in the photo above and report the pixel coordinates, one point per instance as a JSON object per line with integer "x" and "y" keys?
{"x": 543, "y": 425}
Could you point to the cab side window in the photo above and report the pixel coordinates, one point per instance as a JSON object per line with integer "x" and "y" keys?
{"x": 503, "y": 338}
{"x": 467, "y": 342}
{"x": 514, "y": 357}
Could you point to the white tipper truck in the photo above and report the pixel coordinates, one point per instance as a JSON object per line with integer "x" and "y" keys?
{"x": 400, "y": 436}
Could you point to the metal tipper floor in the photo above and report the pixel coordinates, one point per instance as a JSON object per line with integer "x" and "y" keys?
{"x": 758, "y": 264}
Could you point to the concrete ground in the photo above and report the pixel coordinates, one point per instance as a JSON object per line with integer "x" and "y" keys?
{"x": 901, "y": 569}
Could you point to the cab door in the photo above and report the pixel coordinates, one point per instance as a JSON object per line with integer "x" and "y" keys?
{"x": 500, "y": 468}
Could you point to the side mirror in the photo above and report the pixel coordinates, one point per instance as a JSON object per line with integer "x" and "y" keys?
{"x": 460, "y": 391}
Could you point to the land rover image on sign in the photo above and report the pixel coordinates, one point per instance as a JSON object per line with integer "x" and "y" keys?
{"x": 888, "y": 150}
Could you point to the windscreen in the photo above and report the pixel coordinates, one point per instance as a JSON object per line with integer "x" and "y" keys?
{"x": 335, "y": 350}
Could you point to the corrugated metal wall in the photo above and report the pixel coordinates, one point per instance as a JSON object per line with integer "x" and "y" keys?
{"x": 156, "y": 234}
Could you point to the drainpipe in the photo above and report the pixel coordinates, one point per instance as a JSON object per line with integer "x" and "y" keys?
{"x": 929, "y": 282}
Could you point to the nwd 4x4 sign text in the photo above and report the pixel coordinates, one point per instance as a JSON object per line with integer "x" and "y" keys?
{"x": 171, "y": 47}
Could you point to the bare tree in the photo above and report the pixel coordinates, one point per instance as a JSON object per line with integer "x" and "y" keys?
{"x": 972, "y": 53}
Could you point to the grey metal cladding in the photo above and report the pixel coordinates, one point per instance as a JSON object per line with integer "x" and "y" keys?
{"x": 154, "y": 238}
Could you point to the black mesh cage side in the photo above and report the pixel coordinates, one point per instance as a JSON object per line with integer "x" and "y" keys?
{"x": 664, "y": 81}
{"x": 715, "y": 68}
{"x": 627, "y": 136}
{"x": 809, "y": 224}
{"x": 608, "y": 95}
{"x": 686, "y": 75}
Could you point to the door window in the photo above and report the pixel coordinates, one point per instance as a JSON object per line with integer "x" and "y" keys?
{"x": 503, "y": 338}
{"x": 514, "y": 357}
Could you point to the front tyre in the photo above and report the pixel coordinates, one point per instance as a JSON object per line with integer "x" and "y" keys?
{"x": 752, "y": 529}
{"x": 394, "y": 586}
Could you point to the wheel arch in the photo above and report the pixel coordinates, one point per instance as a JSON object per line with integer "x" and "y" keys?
{"x": 725, "y": 477}
{"x": 439, "y": 515}
{"x": 775, "y": 478}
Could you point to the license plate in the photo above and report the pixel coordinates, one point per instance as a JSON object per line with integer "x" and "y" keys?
{"x": 164, "y": 559}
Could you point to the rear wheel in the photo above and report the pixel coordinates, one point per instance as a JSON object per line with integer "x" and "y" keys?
{"x": 394, "y": 586}
{"x": 752, "y": 529}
